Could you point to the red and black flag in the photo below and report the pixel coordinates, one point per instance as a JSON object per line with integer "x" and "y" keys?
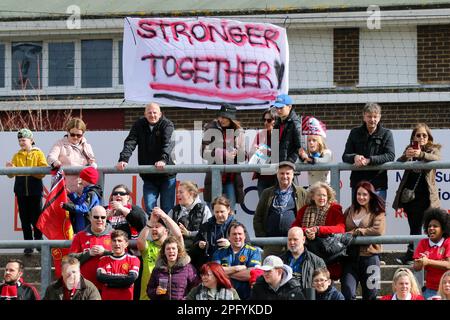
{"x": 54, "y": 221}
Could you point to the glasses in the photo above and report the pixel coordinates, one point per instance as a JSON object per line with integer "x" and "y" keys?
{"x": 73, "y": 135}
{"x": 421, "y": 135}
{"x": 120, "y": 193}
{"x": 268, "y": 120}
{"x": 99, "y": 217}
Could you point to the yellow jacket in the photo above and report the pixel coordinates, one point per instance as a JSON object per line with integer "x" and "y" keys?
{"x": 33, "y": 158}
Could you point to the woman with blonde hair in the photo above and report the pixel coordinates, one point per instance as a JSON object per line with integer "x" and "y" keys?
{"x": 72, "y": 150}
{"x": 316, "y": 153}
{"x": 190, "y": 212}
{"x": 321, "y": 217}
{"x": 404, "y": 286}
{"x": 444, "y": 286}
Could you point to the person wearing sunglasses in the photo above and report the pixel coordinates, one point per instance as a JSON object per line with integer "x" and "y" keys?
{"x": 421, "y": 182}
{"x": 131, "y": 219}
{"x": 90, "y": 244}
{"x": 72, "y": 150}
{"x": 263, "y": 145}
{"x": 123, "y": 215}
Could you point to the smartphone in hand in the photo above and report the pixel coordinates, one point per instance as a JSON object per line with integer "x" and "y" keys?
{"x": 415, "y": 145}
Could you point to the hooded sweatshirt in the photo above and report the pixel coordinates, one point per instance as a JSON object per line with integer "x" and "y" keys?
{"x": 289, "y": 288}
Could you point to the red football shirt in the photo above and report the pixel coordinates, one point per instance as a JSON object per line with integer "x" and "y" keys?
{"x": 82, "y": 242}
{"x": 433, "y": 275}
{"x": 119, "y": 266}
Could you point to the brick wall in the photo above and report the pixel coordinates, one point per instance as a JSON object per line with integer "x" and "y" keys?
{"x": 337, "y": 116}
{"x": 433, "y": 53}
{"x": 346, "y": 57}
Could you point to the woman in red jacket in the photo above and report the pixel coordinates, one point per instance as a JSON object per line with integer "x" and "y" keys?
{"x": 404, "y": 286}
{"x": 321, "y": 216}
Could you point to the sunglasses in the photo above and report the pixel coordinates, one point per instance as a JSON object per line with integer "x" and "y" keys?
{"x": 268, "y": 120}
{"x": 421, "y": 135}
{"x": 120, "y": 193}
{"x": 99, "y": 217}
{"x": 73, "y": 135}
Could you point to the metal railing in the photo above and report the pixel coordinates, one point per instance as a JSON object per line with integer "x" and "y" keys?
{"x": 216, "y": 171}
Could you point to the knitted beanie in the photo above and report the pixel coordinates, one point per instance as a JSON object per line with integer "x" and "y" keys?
{"x": 89, "y": 174}
{"x": 25, "y": 133}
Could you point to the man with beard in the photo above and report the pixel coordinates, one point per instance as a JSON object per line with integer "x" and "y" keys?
{"x": 14, "y": 288}
{"x": 158, "y": 226}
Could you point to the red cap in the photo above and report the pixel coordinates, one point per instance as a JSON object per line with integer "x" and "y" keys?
{"x": 255, "y": 274}
{"x": 89, "y": 174}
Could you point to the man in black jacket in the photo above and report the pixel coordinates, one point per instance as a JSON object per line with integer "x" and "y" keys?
{"x": 290, "y": 129}
{"x": 153, "y": 136}
{"x": 276, "y": 283}
{"x": 370, "y": 144}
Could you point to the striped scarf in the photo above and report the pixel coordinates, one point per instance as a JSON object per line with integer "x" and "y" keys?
{"x": 207, "y": 294}
{"x": 315, "y": 216}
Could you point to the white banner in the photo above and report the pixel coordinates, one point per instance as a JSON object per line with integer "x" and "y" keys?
{"x": 187, "y": 152}
{"x": 203, "y": 63}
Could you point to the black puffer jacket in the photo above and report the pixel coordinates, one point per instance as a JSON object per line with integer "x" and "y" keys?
{"x": 153, "y": 146}
{"x": 378, "y": 147}
{"x": 290, "y": 139}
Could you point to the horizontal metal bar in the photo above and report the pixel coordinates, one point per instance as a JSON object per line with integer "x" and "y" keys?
{"x": 391, "y": 239}
{"x": 194, "y": 168}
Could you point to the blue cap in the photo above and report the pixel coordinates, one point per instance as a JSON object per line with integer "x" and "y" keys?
{"x": 282, "y": 100}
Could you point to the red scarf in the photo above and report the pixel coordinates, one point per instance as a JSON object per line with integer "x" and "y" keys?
{"x": 118, "y": 219}
{"x": 9, "y": 291}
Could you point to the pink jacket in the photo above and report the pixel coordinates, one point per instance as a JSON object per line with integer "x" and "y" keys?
{"x": 71, "y": 155}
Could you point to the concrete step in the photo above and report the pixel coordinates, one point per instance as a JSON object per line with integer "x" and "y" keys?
{"x": 385, "y": 288}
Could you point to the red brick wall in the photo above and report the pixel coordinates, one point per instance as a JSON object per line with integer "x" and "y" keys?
{"x": 335, "y": 116}
{"x": 346, "y": 57}
{"x": 433, "y": 54}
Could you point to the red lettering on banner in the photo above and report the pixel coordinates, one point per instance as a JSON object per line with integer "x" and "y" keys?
{"x": 244, "y": 73}
{"x": 238, "y": 34}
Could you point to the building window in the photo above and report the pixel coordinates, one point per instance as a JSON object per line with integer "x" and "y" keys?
{"x": 388, "y": 57}
{"x": 2, "y": 65}
{"x": 61, "y": 62}
{"x": 26, "y": 65}
{"x": 96, "y": 63}
{"x": 120, "y": 62}
{"x": 311, "y": 54}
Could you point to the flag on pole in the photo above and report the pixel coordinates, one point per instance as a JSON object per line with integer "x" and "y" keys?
{"x": 54, "y": 221}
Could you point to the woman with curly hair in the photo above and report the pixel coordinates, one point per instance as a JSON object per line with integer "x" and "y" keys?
{"x": 433, "y": 254}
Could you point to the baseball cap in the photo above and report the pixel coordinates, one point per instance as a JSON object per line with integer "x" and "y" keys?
{"x": 286, "y": 163}
{"x": 282, "y": 100}
{"x": 24, "y": 133}
{"x": 271, "y": 262}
